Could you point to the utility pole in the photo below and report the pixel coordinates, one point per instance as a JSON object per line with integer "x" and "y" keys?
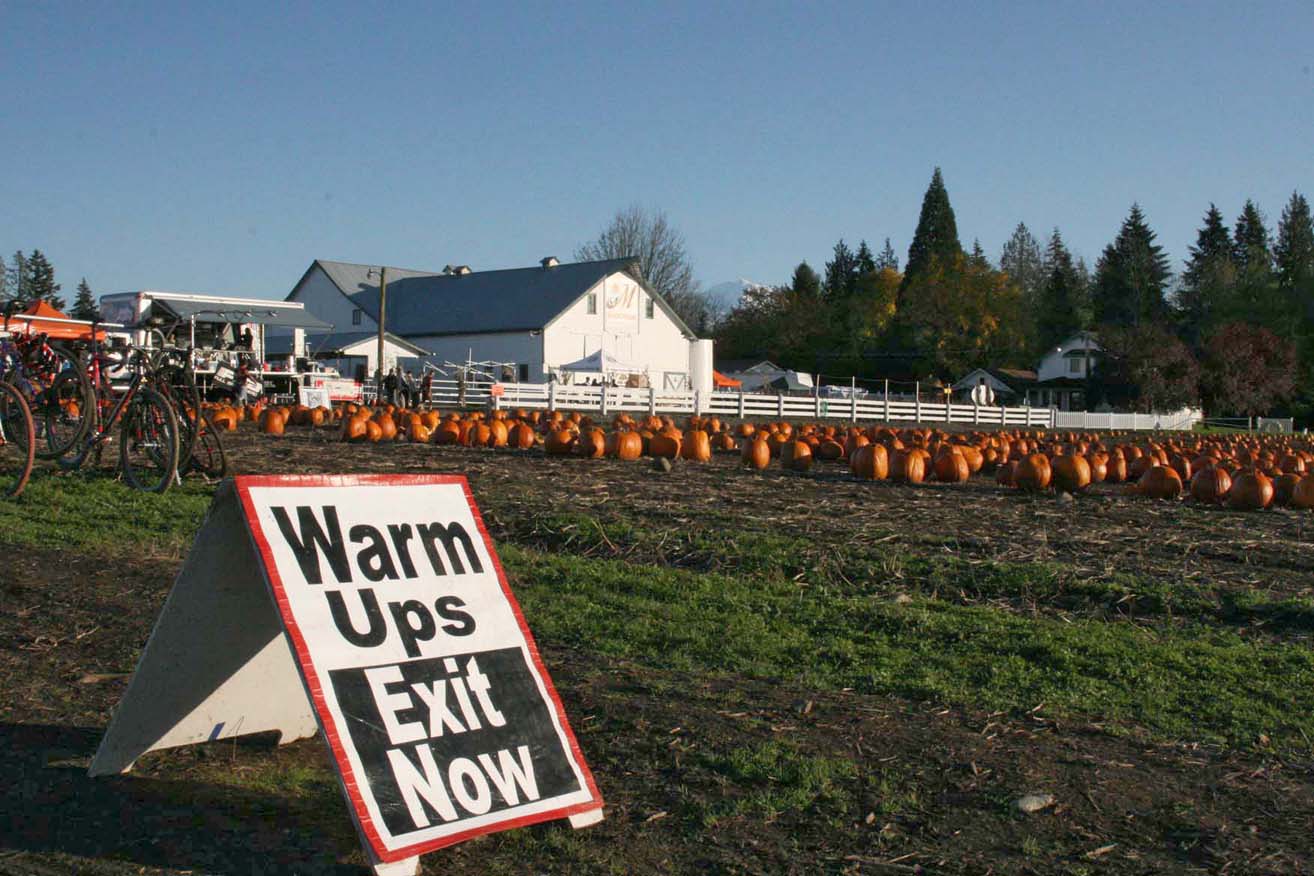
{"x": 383, "y": 317}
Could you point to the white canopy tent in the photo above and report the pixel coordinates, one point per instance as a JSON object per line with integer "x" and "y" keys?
{"x": 601, "y": 363}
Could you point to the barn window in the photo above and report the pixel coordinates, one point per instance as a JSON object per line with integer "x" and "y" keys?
{"x": 650, "y": 308}
{"x": 1074, "y": 365}
{"x": 524, "y": 372}
{"x": 593, "y": 303}
{"x": 355, "y": 317}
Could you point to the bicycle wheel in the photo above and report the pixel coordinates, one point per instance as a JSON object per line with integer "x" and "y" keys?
{"x": 63, "y": 413}
{"x": 17, "y": 444}
{"x": 209, "y": 457}
{"x": 178, "y": 385}
{"x": 148, "y": 442}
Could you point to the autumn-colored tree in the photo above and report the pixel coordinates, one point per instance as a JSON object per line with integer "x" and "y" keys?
{"x": 1248, "y": 370}
{"x": 1144, "y": 368}
{"x": 962, "y": 314}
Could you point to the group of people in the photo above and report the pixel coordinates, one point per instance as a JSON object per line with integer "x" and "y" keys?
{"x": 401, "y": 388}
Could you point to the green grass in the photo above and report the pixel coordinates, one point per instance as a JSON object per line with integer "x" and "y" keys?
{"x": 1196, "y": 683}
{"x": 776, "y": 779}
{"x": 826, "y": 616}
{"x": 93, "y": 510}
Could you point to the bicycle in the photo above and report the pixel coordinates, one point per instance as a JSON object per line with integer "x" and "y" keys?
{"x": 17, "y": 441}
{"x": 148, "y": 428}
{"x": 51, "y": 380}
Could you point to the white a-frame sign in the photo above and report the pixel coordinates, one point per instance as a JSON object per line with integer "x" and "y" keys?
{"x": 373, "y": 608}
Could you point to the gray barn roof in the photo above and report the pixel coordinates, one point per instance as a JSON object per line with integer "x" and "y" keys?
{"x": 517, "y": 299}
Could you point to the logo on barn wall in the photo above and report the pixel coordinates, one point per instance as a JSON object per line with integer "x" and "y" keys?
{"x": 622, "y": 306}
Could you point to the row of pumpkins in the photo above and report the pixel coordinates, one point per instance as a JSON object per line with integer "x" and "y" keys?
{"x": 1243, "y": 472}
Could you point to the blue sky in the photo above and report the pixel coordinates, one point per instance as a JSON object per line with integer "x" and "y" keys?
{"x": 222, "y": 147}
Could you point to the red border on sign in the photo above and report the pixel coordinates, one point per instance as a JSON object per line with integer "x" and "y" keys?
{"x": 316, "y": 690}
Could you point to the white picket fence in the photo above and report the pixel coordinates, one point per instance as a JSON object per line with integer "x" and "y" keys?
{"x": 609, "y": 400}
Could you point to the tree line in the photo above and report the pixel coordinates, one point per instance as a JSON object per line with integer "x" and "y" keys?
{"x": 1234, "y": 330}
{"x": 27, "y": 279}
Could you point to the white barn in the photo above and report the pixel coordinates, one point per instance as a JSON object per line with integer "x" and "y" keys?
{"x": 534, "y": 320}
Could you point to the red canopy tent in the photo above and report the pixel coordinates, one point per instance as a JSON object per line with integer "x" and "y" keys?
{"x": 720, "y": 381}
{"x": 40, "y": 318}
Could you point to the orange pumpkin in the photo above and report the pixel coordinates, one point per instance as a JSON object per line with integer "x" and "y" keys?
{"x": 756, "y": 453}
{"x": 796, "y": 455}
{"x": 559, "y": 442}
{"x": 1071, "y": 473}
{"x": 1033, "y": 473}
{"x": 951, "y": 466}
{"x": 870, "y": 462}
{"x": 697, "y": 447}
{"x": 625, "y": 445}
{"x": 1210, "y": 485}
{"x": 1251, "y": 491}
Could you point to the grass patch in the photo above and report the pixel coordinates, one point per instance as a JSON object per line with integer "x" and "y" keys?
{"x": 1193, "y": 683}
{"x": 94, "y": 510}
{"x": 776, "y": 779}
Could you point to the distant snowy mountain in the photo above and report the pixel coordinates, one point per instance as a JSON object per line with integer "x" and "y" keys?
{"x": 727, "y": 294}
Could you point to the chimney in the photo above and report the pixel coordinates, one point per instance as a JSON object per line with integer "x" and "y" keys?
{"x": 549, "y": 262}
{"x": 461, "y": 270}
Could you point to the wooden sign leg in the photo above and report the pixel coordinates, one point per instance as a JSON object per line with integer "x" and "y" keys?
{"x": 404, "y": 867}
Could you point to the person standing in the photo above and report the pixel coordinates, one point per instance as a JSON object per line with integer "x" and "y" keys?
{"x": 409, "y": 389}
{"x": 390, "y": 386}
{"x": 426, "y": 388}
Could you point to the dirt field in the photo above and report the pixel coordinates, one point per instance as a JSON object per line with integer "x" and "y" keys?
{"x": 769, "y": 673}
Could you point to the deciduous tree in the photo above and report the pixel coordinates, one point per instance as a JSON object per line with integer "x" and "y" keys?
{"x": 1248, "y": 370}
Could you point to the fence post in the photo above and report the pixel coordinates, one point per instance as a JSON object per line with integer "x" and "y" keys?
{"x": 1003, "y": 416}
{"x": 604, "y": 400}
{"x": 1053, "y": 417}
{"x": 853, "y": 399}
{"x": 741, "y": 402}
{"x": 652, "y": 400}
{"x": 887, "y": 399}
{"x": 976, "y": 414}
{"x": 816, "y": 406}
{"x": 552, "y": 396}
{"x": 780, "y": 406}
{"x": 917, "y": 408}
{"x": 698, "y": 403}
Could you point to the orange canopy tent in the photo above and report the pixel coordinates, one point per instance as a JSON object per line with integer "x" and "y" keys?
{"x": 720, "y": 380}
{"x": 40, "y": 318}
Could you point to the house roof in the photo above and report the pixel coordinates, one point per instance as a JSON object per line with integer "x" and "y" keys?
{"x": 336, "y": 342}
{"x": 480, "y": 302}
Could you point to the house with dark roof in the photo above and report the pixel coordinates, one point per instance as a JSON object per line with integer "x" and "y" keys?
{"x": 528, "y": 321}
{"x": 1059, "y": 380}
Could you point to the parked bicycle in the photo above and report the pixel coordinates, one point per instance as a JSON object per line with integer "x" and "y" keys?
{"x": 147, "y": 425}
{"x": 52, "y": 382}
{"x": 17, "y": 441}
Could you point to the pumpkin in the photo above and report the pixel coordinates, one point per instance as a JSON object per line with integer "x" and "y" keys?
{"x": 1302, "y": 496}
{"x": 796, "y": 455}
{"x": 756, "y": 453}
{"x": 830, "y": 450}
{"x": 418, "y": 433}
{"x": 1033, "y": 473}
{"x": 521, "y": 436}
{"x": 1251, "y": 491}
{"x": 666, "y": 443}
{"x": 1006, "y": 474}
{"x": 1209, "y": 486}
{"x": 871, "y": 462}
{"x": 1159, "y": 482}
{"x": 951, "y": 466}
{"x": 225, "y": 418}
{"x": 909, "y": 466}
{"x": 591, "y": 444}
{"x": 273, "y": 422}
{"x": 625, "y": 445}
{"x": 1071, "y": 473}
{"x": 559, "y": 442}
{"x": 1284, "y": 487}
{"x": 373, "y": 431}
{"x": 498, "y": 434}
{"x": 697, "y": 446}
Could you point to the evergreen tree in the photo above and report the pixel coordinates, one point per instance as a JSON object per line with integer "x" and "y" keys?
{"x": 1022, "y": 261}
{"x": 1294, "y": 254}
{"x": 887, "y": 258}
{"x": 841, "y": 272}
{"x": 937, "y": 231}
{"x": 4, "y": 280}
{"x": 1208, "y": 280}
{"x": 1250, "y": 241}
{"x": 1062, "y": 295}
{"x": 84, "y": 305}
{"x": 1131, "y": 277}
{"x": 866, "y": 261}
{"x": 41, "y": 281}
{"x": 1255, "y": 297}
{"x": 17, "y": 278}
{"x": 805, "y": 285}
